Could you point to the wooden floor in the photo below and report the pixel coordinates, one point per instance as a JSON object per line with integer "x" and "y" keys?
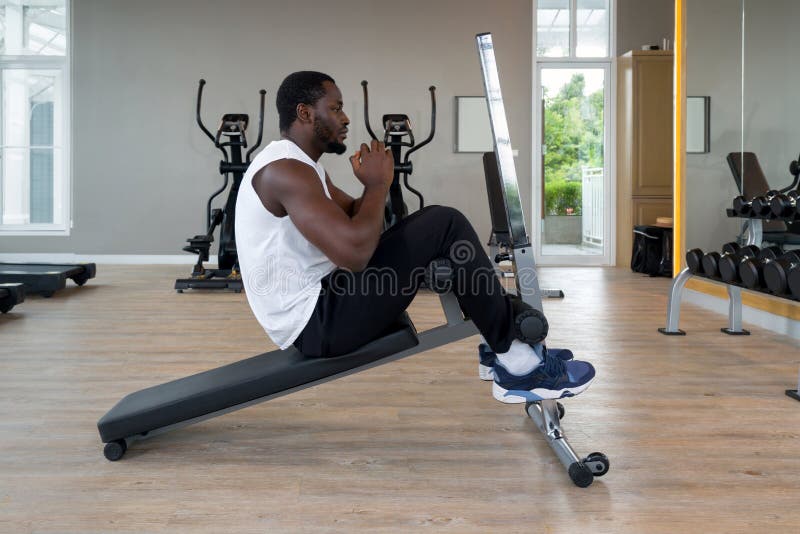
{"x": 700, "y": 435}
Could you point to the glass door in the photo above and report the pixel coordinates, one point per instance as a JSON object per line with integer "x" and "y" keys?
{"x": 573, "y": 181}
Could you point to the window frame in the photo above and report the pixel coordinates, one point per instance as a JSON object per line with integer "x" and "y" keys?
{"x": 62, "y": 64}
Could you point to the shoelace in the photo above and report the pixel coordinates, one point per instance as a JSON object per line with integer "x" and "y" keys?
{"x": 552, "y": 366}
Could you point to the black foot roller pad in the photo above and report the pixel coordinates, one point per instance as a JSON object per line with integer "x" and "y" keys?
{"x": 259, "y": 377}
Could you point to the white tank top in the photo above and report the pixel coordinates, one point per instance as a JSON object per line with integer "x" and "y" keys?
{"x": 280, "y": 268}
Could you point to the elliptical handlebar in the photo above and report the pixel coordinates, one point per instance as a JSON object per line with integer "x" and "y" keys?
{"x": 200, "y": 120}
{"x": 406, "y": 161}
{"x": 413, "y": 147}
{"x": 405, "y": 167}
{"x": 263, "y": 93}
{"x": 428, "y": 139}
{"x": 366, "y": 110}
{"x": 197, "y": 113}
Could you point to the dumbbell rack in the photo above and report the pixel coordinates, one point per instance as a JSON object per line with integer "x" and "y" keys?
{"x": 753, "y": 236}
{"x": 734, "y": 328}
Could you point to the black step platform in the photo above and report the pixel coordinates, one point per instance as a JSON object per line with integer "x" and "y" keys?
{"x": 46, "y": 278}
{"x": 240, "y": 384}
{"x": 10, "y": 296}
{"x": 212, "y": 279}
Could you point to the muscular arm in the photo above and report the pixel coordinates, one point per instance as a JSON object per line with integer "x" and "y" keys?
{"x": 357, "y": 203}
{"x": 349, "y": 204}
{"x": 291, "y": 187}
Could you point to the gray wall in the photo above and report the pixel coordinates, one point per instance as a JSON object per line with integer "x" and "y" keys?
{"x": 641, "y": 22}
{"x": 714, "y": 68}
{"x": 142, "y": 170}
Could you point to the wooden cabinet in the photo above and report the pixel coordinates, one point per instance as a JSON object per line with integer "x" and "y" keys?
{"x": 644, "y": 143}
{"x": 647, "y": 210}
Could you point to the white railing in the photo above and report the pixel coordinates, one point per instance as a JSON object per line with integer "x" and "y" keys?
{"x": 592, "y": 206}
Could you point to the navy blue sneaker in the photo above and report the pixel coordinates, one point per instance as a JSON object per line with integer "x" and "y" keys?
{"x": 554, "y": 378}
{"x": 487, "y": 358}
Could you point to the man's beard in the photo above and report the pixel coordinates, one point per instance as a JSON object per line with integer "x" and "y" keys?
{"x": 336, "y": 147}
{"x": 323, "y": 132}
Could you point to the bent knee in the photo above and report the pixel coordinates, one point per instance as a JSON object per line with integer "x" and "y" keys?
{"x": 448, "y": 213}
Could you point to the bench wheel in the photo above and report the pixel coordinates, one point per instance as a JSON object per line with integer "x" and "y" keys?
{"x": 581, "y": 475}
{"x": 598, "y": 463}
{"x": 115, "y": 450}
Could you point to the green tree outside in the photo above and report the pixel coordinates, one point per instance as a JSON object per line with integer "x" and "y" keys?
{"x": 573, "y": 137}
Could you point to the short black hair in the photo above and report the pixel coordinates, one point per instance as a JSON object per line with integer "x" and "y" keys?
{"x": 303, "y": 87}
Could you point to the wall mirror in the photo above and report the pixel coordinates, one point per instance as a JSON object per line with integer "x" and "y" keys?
{"x": 741, "y": 54}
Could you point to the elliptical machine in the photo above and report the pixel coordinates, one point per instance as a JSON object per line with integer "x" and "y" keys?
{"x": 230, "y": 139}
{"x": 396, "y": 127}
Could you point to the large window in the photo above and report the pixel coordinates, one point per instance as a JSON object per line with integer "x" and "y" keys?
{"x": 572, "y": 28}
{"x": 572, "y": 82}
{"x": 34, "y": 162}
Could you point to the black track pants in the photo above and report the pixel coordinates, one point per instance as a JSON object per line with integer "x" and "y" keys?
{"x": 355, "y": 308}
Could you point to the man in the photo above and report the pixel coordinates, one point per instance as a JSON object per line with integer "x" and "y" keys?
{"x": 321, "y": 275}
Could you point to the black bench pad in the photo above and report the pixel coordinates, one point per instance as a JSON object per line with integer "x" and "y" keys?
{"x": 240, "y": 382}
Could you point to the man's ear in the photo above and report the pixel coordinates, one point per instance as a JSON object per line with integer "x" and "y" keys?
{"x": 304, "y": 113}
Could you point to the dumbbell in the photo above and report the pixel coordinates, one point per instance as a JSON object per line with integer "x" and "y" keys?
{"x": 784, "y": 205}
{"x": 742, "y": 206}
{"x": 728, "y": 263}
{"x": 694, "y": 261}
{"x": 751, "y": 270}
{"x": 794, "y": 282}
{"x": 776, "y": 272}
{"x": 761, "y": 204}
{"x": 711, "y": 260}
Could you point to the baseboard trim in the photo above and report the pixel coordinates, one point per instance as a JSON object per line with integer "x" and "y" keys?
{"x": 104, "y": 259}
{"x": 770, "y": 321}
